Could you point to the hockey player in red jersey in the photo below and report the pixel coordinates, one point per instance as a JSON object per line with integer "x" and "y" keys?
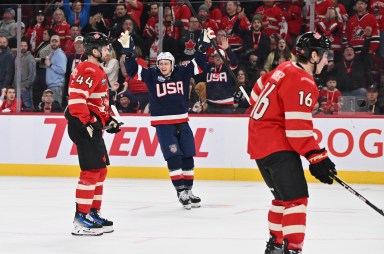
{"x": 280, "y": 131}
{"x": 87, "y": 114}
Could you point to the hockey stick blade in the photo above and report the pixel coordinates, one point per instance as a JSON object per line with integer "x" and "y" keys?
{"x": 354, "y": 192}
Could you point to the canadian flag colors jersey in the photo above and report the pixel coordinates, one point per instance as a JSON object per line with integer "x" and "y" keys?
{"x": 88, "y": 91}
{"x": 281, "y": 119}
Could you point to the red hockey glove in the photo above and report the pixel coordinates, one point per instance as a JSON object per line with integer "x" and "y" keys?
{"x": 321, "y": 167}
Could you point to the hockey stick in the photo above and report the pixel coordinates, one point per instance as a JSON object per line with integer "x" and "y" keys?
{"x": 117, "y": 117}
{"x": 351, "y": 190}
{"x": 218, "y": 51}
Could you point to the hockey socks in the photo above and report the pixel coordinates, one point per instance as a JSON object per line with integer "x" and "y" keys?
{"x": 85, "y": 190}
{"x": 98, "y": 197}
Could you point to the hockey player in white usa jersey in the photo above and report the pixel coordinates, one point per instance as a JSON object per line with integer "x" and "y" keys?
{"x": 168, "y": 89}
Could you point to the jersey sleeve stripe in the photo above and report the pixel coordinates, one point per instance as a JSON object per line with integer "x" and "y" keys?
{"x": 76, "y": 101}
{"x": 299, "y": 133}
{"x": 298, "y": 116}
{"x": 80, "y": 91}
{"x": 97, "y": 95}
{"x": 196, "y": 69}
{"x": 138, "y": 74}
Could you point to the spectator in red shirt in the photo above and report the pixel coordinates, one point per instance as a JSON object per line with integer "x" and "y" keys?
{"x": 60, "y": 26}
{"x": 329, "y": 97}
{"x": 149, "y": 29}
{"x": 214, "y": 12}
{"x": 35, "y": 31}
{"x": 8, "y": 101}
{"x": 69, "y": 47}
{"x": 203, "y": 14}
{"x": 135, "y": 9}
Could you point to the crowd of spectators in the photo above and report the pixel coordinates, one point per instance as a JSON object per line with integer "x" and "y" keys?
{"x": 253, "y": 37}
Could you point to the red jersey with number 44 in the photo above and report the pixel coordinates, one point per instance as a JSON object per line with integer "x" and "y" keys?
{"x": 88, "y": 91}
{"x": 281, "y": 119}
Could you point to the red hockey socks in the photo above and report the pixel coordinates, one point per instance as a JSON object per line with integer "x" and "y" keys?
{"x": 85, "y": 190}
{"x": 294, "y": 222}
{"x": 98, "y": 197}
{"x": 275, "y": 217}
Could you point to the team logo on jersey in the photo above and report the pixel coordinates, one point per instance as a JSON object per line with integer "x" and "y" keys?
{"x": 160, "y": 78}
{"x": 103, "y": 81}
{"x": 358, "y": 32}
{"x": 173, "y": 148}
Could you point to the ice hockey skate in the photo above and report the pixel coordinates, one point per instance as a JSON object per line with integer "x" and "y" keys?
{"x": 273, "y": 248}
{"x": 286, "y": 251}
{"x": 85, "y": 225}
{"x": 195, "y": 201}
{"x": 107, "y": 225}
{"x": 184, "y": 199}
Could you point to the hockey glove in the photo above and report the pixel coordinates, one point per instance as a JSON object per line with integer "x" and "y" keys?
{"x": 113, "y": 126}
{"x": 321, "y": 167}
{"x": 205, "y": 37}
{"x": 126, "y": 42}
{"x": 93, "y": 129}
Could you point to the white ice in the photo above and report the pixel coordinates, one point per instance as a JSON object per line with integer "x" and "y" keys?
{"x": 36, "y": 216}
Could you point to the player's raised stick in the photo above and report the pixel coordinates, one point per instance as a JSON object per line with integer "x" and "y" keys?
{"x": 218, "y": 51}
{"x": 351, "y": 190}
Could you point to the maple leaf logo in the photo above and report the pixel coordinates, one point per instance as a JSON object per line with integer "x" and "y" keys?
{"x": 190, "y": 45}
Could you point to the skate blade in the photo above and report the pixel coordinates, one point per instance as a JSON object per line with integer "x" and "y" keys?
{"x": 187, "y": 207}
{"x": 195, "y": 205}
{"x": 83, "y": 231}
{"x": 108, "y": 229}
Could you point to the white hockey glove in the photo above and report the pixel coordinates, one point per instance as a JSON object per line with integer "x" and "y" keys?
{"x": 205, "y": 38}
{"x": 126, "y": 42}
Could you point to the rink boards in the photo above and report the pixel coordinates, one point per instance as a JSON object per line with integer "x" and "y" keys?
{"x": 38, "y": 145}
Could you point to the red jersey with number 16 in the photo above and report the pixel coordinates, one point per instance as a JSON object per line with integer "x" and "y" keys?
{"x": 88, "y": 91}
{"x": 281, "y": 119}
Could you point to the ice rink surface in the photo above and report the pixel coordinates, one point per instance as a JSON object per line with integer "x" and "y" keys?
{"x": 37, "y": 214}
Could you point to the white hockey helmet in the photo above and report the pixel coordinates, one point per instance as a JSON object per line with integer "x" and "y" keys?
{"x": 166, "y": 56}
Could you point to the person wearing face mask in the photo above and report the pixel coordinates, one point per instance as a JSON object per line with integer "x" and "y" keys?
{"x": 7, "y": 63}
{"x": 280, "y": 131}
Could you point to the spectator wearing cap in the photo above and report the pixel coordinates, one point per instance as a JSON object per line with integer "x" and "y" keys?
{"x": 374, "y": 105}
{"x": 42, "y": 51}
{"x": 72, "y": 61}
{"x": 8, "y": 24}
{"x": 56, "y": 64}
{"x": 13, "y": 40}
{"x": 78, "y": 14}
{"x": 219, "y": 83}
{"x": 127, "y": 103}
{"x": 7, "y": 63}
{"x": 69, "y": 47}
{"x": 353, "y": 72}
{"x": 27, "y": 76}
{"x": 203, "y": 13}
{"x": 48, "y": 104}
{"x": 60, "y": 26}
{"x": 362, "y": 26}
{"x": 257, "y": 46}
{"x": 35, "y": 31}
